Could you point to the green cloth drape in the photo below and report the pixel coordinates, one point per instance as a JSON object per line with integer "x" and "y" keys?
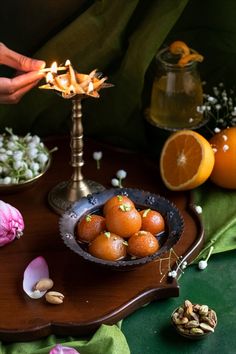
{"x": 107, "y": 339}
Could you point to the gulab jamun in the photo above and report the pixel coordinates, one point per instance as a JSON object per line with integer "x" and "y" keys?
{"x": 116, "y": 201}
{"x": 108, "y": 246}
{"x": 152, "y": 221}
{"x": 89, "y": 227}
{"x": 123, "y": 220}
{"x": 142, "y": 244}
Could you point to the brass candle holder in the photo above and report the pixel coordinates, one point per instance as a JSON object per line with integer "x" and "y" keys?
{"x": 74, "y": 86}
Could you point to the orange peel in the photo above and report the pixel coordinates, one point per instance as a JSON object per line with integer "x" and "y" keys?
{"x": 179, "y": 47}
{"x": 191, "y": 57}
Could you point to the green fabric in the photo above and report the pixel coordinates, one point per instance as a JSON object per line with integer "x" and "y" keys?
{"x": 107, "y": 340}
{"x": 149, "y": 330}
{"x": 218, "y": 216}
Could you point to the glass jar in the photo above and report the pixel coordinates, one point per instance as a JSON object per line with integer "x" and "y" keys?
{"x": 176, "y": 94}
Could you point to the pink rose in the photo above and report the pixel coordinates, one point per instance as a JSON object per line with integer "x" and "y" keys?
{"x": 11, "y": 223}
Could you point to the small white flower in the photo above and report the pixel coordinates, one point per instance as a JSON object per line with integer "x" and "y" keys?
{"x": 35, "y": 139}
{"x": 32, "y": 152}
{"x": 184, "y": 264}
{"x": 18, "y": 155}
{"x": 224, "y": 137}
{"x": 172, "y": 274}
{"x": 217, "y": 130}
{"x": 203, "y": 263}
{"x": 11, "y": 145}
{"x": 42, "y": 158}
{"x": 115, "y": 182}
{"x": 97, "y": 155}
{"x": 198, "y": 209}
{"x": 34, "y": 166}
{"x": 18, "y": 164}
{"x": 225, "y": 147}
{"x": 28, "y": 174}
{"x": 121, "y": 174}
{"x": 7, "y": 180}
{"x": 3, "y": 157}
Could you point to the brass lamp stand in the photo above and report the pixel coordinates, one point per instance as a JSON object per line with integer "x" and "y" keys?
{"x": 63, "y": 195}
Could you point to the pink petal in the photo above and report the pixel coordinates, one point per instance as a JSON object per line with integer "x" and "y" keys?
{"x": 59, "y": 349}
{"x": 36, "y": 270}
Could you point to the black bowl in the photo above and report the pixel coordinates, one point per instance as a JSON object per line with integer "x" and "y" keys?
{"x": 93, "y": 203}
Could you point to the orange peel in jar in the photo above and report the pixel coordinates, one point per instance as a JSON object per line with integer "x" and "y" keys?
{"x": 191, "y": 57}
{"x": 181, "y": 48}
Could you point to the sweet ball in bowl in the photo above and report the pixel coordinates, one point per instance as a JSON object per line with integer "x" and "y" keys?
{"x": 121, "y": 228}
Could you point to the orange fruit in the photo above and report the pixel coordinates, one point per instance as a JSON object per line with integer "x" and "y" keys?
{"x": 89, "y": 227}
{"x": 142, "y": 244}
{"x": 152, "y": 221}
{"x": 123, "y": 220}
{"x": 224, "y": 171}
{"x": 186, "y": 160}
{"x": 117, "y": 200}
{"x": 108, "y": 246}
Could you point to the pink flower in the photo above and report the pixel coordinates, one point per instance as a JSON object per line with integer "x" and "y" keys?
{"x": 11, "y": 223}
{"x": 59, "y": 349}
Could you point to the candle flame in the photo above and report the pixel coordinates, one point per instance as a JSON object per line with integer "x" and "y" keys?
{"x": 49, "y": 77}
{"x": 90, "y": 87}
{"x": 72, "y": 89}
{"x": 54, "y": 67}
{"x": 67, "y": 63}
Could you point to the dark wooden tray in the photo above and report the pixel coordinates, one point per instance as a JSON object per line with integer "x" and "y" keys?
{"x": 92, "y": 295}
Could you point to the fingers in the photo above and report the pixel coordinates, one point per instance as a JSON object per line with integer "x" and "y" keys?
{"x": 17, "y": 61}
{"x": 12, "y": 91}
{"x": 9, "y": 86}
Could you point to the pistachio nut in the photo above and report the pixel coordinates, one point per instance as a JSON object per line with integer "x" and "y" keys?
{"x": 43, "y": 284}
{"x": 196, "y": 331}
{"x": 192, "y": 324}
{"x": 206, "y": 327}
{"x": 203, "y": 310}
{"x": 178, "y": 320}
{"x": 212, "y": 315}
{"x": 208, "y": 320}
{"x": 54, "y": 297}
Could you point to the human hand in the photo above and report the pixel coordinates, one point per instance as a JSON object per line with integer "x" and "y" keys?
{"x": 11, "y": 90}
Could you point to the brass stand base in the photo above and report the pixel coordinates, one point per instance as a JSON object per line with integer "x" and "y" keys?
{"x": 66, "y": 193}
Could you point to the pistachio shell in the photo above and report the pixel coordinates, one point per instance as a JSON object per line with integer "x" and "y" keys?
{"x": 44, "y": 284}
{"x": 54, "y": 297}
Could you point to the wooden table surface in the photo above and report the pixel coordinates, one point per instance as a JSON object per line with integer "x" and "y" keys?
{"x": 92, "y": 295}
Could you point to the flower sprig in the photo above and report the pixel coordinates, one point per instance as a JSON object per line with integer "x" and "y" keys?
{"x": 21, "y": 158}
{"x": 117, "y": 182}
{"x": 220, "y": 106}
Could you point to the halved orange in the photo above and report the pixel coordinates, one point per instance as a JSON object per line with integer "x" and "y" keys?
{"x": 186, "y": 161}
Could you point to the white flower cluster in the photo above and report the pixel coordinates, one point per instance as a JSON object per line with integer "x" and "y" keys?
{"x": 220, "y": 106}
{"x": 21, "y": 158}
